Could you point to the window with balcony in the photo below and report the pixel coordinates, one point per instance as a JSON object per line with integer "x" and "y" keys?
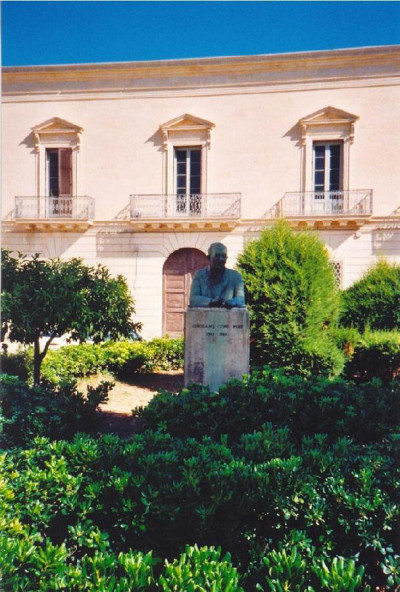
{"x": 59, "y": 171}
{"x": 58, "y": 180}
{"x": 186, "y": 143}
{"x": 187, "y": 166}
{"x": 326, "y": 139}
{"x": 327, "y": 175}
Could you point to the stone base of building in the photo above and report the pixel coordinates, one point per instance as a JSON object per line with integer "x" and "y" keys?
{"x": 216, "y": 345}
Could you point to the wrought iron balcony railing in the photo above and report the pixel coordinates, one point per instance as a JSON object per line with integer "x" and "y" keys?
{"x": 48, "y": 208}
{"x": 326, "y": 203}
{"x": 202, "y": 206}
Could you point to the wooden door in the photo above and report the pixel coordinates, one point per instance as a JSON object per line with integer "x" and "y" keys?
{"x": 177, "y": 278}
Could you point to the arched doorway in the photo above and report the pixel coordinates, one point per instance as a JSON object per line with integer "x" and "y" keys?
{"x": 178, "y": 271}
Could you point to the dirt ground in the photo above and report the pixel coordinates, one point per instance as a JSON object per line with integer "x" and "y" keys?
{"x": 116, "y": 414}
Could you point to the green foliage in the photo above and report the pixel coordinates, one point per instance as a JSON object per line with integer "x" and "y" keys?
{"x": 340, "y": 576}
{"x": 375, "y": 354}
{"x": 18, "y": 364}
{"x": 374, "y": 301}
{"x": 366, "y": 412}
{"x": 165, "y": 353}
{"x": 46, "y": 410}
{"x": 53, "y": 297}
{"x": 200, "y": 570}
{"x": 296, "y": 480}
{"x": 121, "y": 358}
{"x": 70, "y": 508}
{"x": 293, "y": 302}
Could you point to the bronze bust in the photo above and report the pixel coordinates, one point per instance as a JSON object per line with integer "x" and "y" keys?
{"x": 216, "y": 286}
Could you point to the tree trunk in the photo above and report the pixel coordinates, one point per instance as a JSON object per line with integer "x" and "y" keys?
{"x": 37, "y": 362}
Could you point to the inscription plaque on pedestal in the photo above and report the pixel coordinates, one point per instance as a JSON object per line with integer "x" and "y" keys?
{"x": 216, "y": 345}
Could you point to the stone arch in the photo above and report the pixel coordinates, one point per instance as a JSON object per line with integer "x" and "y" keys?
{"x": 178, "y": 272}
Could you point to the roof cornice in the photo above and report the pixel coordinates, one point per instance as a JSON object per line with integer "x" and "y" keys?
{"x": 203, "y": 72}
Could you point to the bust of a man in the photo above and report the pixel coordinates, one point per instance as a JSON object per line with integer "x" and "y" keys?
{"x": 216, "y": 286}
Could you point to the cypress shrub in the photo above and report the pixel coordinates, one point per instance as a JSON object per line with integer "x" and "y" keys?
{"x": 293, "y": 302}
{"x": 373, "y": 301}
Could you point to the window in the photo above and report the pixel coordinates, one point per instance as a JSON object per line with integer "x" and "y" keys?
{"x": 327, "y": 176}
{"x": 59, "y": 182}
{"x": 186, "y": 142}
{"x": 327, "y": 166}
{"x": 59, "y": 172}
{"x": 57, "y": 144}
{"x": 188, "y": 180}
{"x": 326, "y": 137}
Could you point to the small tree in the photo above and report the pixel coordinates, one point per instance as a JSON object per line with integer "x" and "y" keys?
{"x": 374, "y": 300}
{"x": 293, "y": 301}
{"x": 51, "y": 297}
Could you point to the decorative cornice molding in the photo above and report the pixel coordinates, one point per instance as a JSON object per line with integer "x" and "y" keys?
{"x": 206, "y": 72}
{"x": 188, "y": 124}
{"x": 54, "y": 126}
{"x": 328, "y": 116}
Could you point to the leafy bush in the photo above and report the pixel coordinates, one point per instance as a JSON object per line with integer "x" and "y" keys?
{"x": 296, "y": 480}
{"x": 17, "y": 364}
{"x": 121, "y": 358}
{"x": 376, "y": 354}
{"x": 165, "y": 353}
{"x": 53, "y": 297}
{"x": 46, "y": 411}
{"x": 294, "y": 571}
{"x": 365, "y": 412}
{"x": 68, "y": 509}
{"x": 200, "y": 569}
{"x": 72, "y": 362}
{"x": 374, "y": 301}
{"x": 293, "y": 302}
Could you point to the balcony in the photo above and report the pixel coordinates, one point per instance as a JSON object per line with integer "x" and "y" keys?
{"x": 63, "y": 213}
{"x": 339, "y": 205}
{"x": 205, "y": 211}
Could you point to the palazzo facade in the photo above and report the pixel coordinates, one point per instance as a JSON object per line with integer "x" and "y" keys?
{"x": 141, "y": 165}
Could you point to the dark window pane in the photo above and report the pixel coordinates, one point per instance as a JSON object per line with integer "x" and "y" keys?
{"x": 334, "y": 183}
{"x": 52, "y": 163}
{"x": 195, "y": 155}
{"x": 180, "y": 155}
{"x": 319, "y": 150}
{"x": 195, "y": 168}
{"x": 335, "y": 150}
{"x": 195, "y": 185}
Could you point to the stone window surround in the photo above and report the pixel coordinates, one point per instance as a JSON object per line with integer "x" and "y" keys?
{"x": 57, "y": 133}
{"x": 326, "y": 125}
{"x": 185, "y": 131}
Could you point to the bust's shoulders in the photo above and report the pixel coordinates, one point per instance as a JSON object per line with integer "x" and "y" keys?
{"x": 234, "y": 274}
{"x": 202, "y": 272}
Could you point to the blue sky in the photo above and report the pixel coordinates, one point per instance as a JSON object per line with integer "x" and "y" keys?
{"x": 63, "y": 32}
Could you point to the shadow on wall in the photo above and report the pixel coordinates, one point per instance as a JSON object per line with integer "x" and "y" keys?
{"x": 29, "y": 141}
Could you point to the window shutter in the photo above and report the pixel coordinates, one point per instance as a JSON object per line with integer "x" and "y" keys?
{"x": 65, "y": 171}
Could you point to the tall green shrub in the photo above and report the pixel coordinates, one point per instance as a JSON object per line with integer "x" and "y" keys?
{"x": 293, "y": 302}
{"x": 374, "y": 300}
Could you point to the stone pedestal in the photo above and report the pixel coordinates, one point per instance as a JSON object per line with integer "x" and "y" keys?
{"x": 216, "y": 345}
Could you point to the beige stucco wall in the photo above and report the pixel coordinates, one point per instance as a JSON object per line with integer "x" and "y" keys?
{"x": 254, "y": 146}
{"x": 255, "y": 149}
